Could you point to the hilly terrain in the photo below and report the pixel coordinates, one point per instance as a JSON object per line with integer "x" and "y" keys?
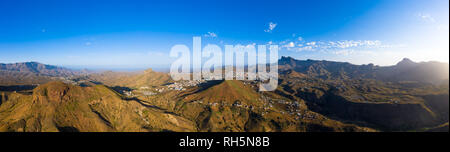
{"x": 394, "y": 98}
{"x": 405, "y": 70}
{"x": 312, "y": 96}
{"x": 145, "y": 78}
{"x": 57, "y": 106}
{"x": 236, "y": 106}
{"x": 32, "y": 73}
{"x": 37, "y": 68}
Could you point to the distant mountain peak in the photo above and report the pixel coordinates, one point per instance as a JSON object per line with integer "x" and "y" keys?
{"x": 406, "y": 62}
{"x": 36, "y": 68}
{"x": 405, "y": 70}
{"x": 31, "y": 62}
{"x": 149, "y": 70}
{"x": 286, "y": 58}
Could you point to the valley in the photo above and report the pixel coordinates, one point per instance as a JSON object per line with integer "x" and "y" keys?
{"x": 312, "y": 96}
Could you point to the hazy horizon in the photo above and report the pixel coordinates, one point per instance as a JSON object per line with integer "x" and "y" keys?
{"x": 164, "y": 68}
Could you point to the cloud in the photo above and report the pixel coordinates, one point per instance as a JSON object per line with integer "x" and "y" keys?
{"x": 289, "y": 45}
{"x": 311, "y": 43}
{"x": 210, "y": 34}
{"x": 343, "y": 52}
{"x": 88, "y": 43}
{"x": 271, "y": 27}
{"x": 426, "y": 17}
{"x": 343, "y": 47}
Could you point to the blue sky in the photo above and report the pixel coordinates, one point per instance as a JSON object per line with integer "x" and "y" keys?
{"x": 139, "y": 34}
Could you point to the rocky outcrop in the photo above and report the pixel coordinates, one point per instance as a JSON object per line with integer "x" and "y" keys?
{"x": 384, "y": 116}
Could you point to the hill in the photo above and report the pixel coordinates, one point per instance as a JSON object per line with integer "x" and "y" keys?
{"x": 8, "y": 78}
{"x": 236, "y": 106}
{"x": 57, "y": 106}
{"x": 402, "y": 97}
{"x": 145, "y": 78}
{"x": 32, "y": 73}
{"x": 311, "y": 96}
{"x": 37, "y": 68}
{"x": 405, "y": 70}
{"x": 228, "y": 91}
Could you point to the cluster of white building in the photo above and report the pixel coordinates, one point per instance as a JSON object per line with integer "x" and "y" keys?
{"x": 181, "y": 85}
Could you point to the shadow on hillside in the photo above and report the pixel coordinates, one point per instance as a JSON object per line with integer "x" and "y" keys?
{"x": 204, "y": 86}
{"x": 144, "y": 104}
{"x": 120, "y": 89}
{"x": 67, "y": 129}
{"x": 17, "y": 88}
{"x": 383, "y": 116}
{"x": 208, "y": 84}
{"x": 141, "y": 102}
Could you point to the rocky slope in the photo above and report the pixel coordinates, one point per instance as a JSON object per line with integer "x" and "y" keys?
{"x": 405, "y": 70}
{"x": 56, "y": 106}
{"x": 311, "y": 96}
{"x": 145, "y": 78}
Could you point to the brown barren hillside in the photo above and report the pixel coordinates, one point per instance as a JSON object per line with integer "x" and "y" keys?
{"x": 56, "y": 106}
{"x": 132, "y": 79}
{"x": 228, "y": 91}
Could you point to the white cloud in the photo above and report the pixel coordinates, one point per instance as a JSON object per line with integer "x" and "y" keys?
{"x": 343, "y": 52}
{"x": 304, "y": 48}
{"x": 88, "y": 43}
{"x": 289, "y": 45}
{"x": 271, "y": 27}
{"x": 210, "y": 34}
{"x": 311, "y": 43}
{"x": 344, "y": 47}
{"x": 426, "y": 17}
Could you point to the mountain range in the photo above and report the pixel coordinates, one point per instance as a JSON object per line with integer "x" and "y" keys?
{"x": 405, "y": 70}
{"x": 312, "y": 96}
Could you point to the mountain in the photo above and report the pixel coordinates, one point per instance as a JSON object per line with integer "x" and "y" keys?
{"x": 9, "y": 78}
{"x": 237, "y": 106}
{"x": 32, "y": 73}
{"x": 228, "y": 91}
{"x": 145, "y": 78}
{"x": 405, "y": 70}
{"x": 407, "y": 96}
{"x": 37, "y": 68}
{"x": 56, "y": 106}
{"x": 312, "y": 96}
